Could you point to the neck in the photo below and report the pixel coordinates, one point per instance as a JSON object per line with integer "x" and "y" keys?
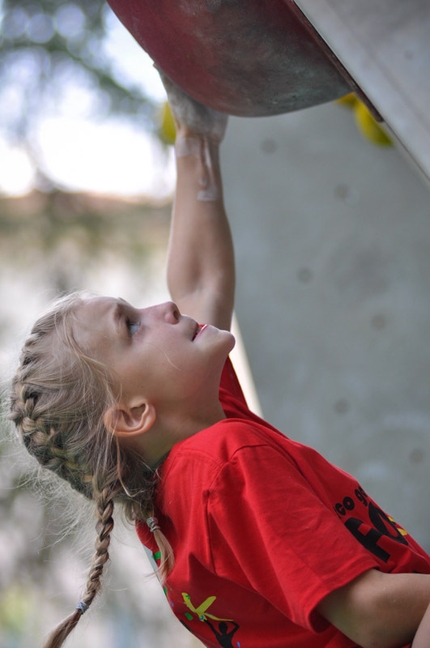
{"x": 168, "y": 430}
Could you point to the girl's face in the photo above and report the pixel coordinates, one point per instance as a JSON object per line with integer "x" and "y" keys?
{"x": 156, "y": 352}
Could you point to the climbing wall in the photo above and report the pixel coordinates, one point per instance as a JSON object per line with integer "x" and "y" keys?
{"x": 333, "y": 247}
{"x": 385, "y": 48}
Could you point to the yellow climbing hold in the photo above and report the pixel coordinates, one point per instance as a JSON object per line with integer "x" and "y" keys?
{"x": 348, "y": 101}
{"x": 369, "y": 127}
{"x": 366, "y": 123}
{"x": 167, "y": 128}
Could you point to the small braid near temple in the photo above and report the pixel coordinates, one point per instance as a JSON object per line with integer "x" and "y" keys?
{"x": 140, "y": 409}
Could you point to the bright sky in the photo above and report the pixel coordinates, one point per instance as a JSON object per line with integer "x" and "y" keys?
{"x": 112, "y": 157}
{"x": 108, "y": 157}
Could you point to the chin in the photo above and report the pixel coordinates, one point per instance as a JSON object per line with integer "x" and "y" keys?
{"x": 231, "y": 341}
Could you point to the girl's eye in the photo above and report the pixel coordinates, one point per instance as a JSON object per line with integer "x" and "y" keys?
{"x": 132, "y": 327}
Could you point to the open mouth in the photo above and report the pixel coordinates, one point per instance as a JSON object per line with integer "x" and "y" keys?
{"x": 199, "y": 328}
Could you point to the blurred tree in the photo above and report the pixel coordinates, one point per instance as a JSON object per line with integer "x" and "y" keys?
{"x": 62, "y": 237}
{"x": 52, "y": 51}
{"x": 52, "y": 242}
{"x": 52, "y": 57}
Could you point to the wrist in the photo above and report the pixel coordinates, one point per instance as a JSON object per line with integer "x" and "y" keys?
{"x": 197, "y": 145}
{"x": 184, "y": 132}
{"x": 197, "y": 163}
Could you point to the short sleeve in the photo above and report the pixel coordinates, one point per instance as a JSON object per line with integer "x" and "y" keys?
{"x": 269, "y": 531}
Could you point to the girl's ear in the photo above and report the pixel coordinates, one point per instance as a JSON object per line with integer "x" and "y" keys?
{"x": 130, "y": 421}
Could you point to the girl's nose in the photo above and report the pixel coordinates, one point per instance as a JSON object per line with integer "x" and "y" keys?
{"x": 165, "y": 312}
{"x": 170, "y": 312}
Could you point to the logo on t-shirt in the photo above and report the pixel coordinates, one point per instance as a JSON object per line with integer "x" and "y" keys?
{"x": 223, "y": 629}
{"x": 369, "y": 534}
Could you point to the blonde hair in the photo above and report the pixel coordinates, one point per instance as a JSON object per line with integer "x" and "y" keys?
{"x": 59, "y": 396}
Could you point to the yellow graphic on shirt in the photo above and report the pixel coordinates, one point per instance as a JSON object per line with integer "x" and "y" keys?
{"x": 402, "y": 531}
{"x": 201, "y": 610}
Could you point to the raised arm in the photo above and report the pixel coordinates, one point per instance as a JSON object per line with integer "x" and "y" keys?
{"x": 200, "y": 267}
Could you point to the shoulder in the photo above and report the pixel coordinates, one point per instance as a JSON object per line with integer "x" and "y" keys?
{"x": 218, "y": 443}
{"x": 225, "y": 465}
{"x": 233, "y": 445}
{"x": 198, "y": 469}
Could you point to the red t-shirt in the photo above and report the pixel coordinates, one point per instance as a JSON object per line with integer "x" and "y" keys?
{"x": 263, "y": 528}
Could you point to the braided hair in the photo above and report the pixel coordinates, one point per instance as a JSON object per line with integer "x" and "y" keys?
{"x": 59, "y": 396}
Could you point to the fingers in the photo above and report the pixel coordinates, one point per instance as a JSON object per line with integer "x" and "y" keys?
{"x": 192, "y": 116}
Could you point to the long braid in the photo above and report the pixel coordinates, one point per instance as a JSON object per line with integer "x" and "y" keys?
{"x": 104, "y": 527}
{"x": 59, "y": 396}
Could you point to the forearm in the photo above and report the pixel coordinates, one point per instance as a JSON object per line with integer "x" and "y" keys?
{"x": 200, "y": 268}
{"x": 200, "y": 264}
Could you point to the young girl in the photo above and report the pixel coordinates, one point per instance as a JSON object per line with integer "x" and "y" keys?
{"x": 259, "y": 541}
